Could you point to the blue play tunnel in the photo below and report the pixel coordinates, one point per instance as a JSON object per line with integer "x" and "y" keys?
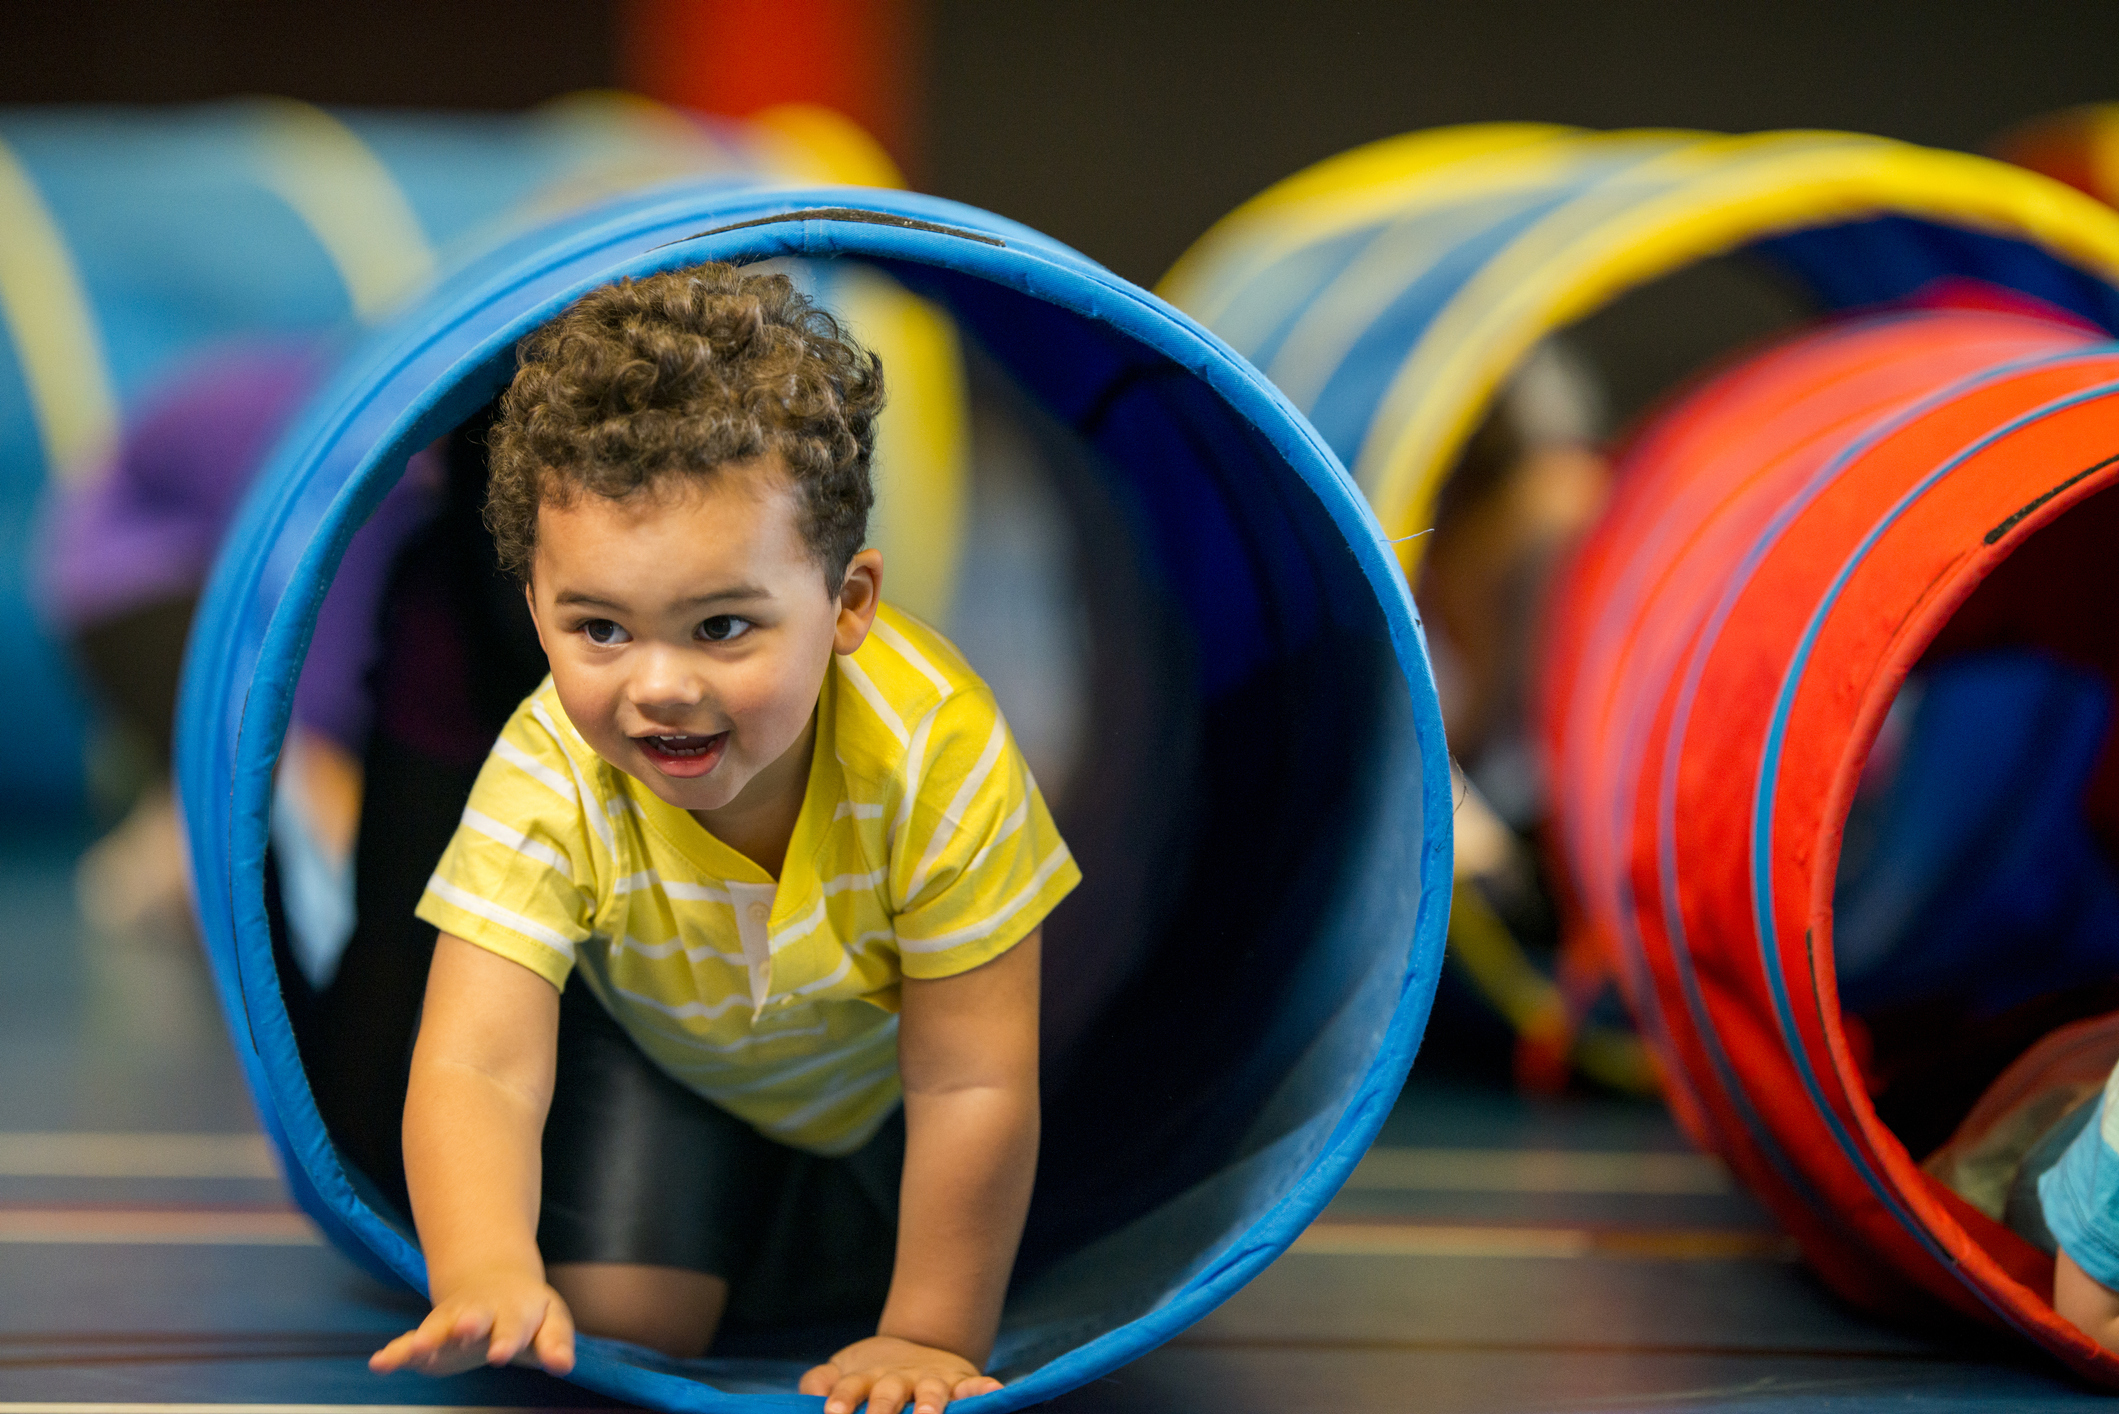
{"x": 1261, "y": 803}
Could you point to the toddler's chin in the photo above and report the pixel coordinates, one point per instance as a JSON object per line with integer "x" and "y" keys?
{"x": 709, "y": 793}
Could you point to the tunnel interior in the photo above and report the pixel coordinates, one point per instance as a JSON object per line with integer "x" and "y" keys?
{"x": 1976, "y": 903}
{"x": 1227, "y": 736}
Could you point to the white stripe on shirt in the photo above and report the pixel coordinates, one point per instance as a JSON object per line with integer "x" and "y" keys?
{"x": 829, "y": 979}
{"x": 913, "y": 768}
{"x": 1009, "y": 826}
{"x": 840, "y": 883}
{"x": 597, "y": 812}
{"x": 801, "y": 928}
{"x": 886, "y": 1033}
{"x": 953, "y": 817}
{"x": 910, "y": 654}
{"x": 493, "y": 913}
{"x": 873, "y": 696}
{"x": 944, "y": 941}
{"x": 744, "y": 1044}
{"x": 521, "y": 843}
{"x": 658, "y": 951}
{"x": 687, "y": 1011}
{"x": 648, "y": 880}
{"x": 837, "y": 1095}
{"x": 535, "y": 769}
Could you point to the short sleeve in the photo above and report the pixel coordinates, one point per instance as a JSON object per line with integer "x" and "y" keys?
{"x": 2080, "y": 1196}
{"x": 976, "y": 862}
{"x": 518, "y": 878}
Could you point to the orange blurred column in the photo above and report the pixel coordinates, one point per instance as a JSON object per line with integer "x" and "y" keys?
{"x": 864, "y": 58}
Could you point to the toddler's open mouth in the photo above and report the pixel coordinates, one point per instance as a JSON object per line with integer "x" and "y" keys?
{"x": 678, "y": 755}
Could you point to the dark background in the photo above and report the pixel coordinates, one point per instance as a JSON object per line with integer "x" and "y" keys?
{"x": 1127, "y": 126}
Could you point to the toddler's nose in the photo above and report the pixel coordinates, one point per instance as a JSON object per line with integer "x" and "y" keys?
{"x": 664, "y": 679}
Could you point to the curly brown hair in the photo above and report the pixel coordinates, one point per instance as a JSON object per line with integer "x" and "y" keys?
{"x": 679, "y": 374}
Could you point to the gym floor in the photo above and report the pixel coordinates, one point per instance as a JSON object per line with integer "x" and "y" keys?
{"x": 1492, "y": 1254}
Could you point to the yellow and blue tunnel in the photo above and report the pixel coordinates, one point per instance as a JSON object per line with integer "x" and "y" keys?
{"x": 1941, "y": 318}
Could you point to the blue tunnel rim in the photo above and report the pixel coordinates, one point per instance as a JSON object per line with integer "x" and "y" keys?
{"x": 228, "y": 748}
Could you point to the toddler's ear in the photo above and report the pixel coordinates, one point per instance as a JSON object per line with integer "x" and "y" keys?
{"x": 860, "y": 595}
{"x": 529, "y": 596}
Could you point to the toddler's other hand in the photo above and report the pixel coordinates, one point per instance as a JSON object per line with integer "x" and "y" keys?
{"x": 487, "y": 1322}
{"x": 891, "y": 1373}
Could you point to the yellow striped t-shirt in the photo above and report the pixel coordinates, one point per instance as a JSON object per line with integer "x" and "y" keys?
{"x": 923, "y": 849}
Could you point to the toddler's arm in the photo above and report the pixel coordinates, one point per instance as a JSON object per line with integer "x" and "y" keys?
{"x": 474, "y": 1119}
{"x": 2085, "y": 1303}
{"x": 967, "y": 1050}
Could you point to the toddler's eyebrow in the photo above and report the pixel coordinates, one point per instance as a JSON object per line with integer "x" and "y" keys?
{"x": 738, "y": 591}
{"x": 735, "y": 592}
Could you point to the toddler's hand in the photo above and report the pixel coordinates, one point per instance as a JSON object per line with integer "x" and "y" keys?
{"x": 486, "y": 1322}
{"x": 890, "y": 1373}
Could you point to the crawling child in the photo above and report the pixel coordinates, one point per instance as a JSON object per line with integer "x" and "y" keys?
{"x": 2039, "y": 1153}
{"x": 2078, "y": 1204}
{"x": 735, "y": 1003}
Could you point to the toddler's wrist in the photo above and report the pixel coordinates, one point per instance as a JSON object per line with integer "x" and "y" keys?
{"x": 444, "y": 1282}
{"x": 929, "y": 1338}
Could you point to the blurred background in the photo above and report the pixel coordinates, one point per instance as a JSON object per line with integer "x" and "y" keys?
{"x": 203, "y": 204}
{"x": 1124, "y": 129}
{"x": 206, "y": 201}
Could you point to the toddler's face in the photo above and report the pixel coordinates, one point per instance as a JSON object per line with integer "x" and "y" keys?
{"x": 689, "y": 631}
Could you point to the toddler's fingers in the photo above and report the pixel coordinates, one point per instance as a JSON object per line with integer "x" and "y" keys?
{"x": 428, "y": 1350}
{"x": 512, "y": 1330}
{"x": 451, "y": 1339}
{"x": 930, "y": 1395}
{"x": 888, "y": 1396}
{"x": 849, "y": 1391}
{"x": 818, "y": 1379}
{"x": 392, "y": 1357}
{"x": 976, "y": 1385}
{"x": 554, "y": 1343}
{"x": 458, "y": 1323}
{"x": 426, "y": 1346}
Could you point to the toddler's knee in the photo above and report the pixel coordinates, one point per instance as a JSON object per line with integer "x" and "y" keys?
{"x": 665, "y": 1309}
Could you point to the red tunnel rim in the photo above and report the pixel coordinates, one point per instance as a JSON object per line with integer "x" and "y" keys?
{"x": 1969, "y": 1268}
{"x": 1696, "y": 648}
{"x": 1879, "y": 1157}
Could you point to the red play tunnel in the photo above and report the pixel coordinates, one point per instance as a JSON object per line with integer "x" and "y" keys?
{"x": 1919, "y": 498}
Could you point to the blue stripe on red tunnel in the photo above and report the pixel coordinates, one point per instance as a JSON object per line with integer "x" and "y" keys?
{"x": 1703, "y": 644}
{"x": 1762, "y": 817}
{"x": 1633, "y": 746}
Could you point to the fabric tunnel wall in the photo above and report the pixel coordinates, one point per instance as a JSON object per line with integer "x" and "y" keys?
{"x": 136, "y": 241}
{"x": 1416, "y": 296}
{"x": 1829, "y": 682}
{"x": 1391, "y": 290}
{"x": 1226, "y": 581}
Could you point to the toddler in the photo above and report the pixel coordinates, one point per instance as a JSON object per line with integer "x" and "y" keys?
{"x": 735, "y": 1003}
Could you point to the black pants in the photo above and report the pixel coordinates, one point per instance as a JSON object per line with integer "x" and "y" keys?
{"x": 638, "y": 1168}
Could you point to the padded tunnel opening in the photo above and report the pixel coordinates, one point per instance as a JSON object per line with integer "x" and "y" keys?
{"x": 1976, "y": 903}
{"x": 1534, "y": 476}
{"x": 1241, "y": 782}
{"x": 1512, "y": 505}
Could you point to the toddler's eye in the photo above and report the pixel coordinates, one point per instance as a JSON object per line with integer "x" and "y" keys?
{"x": 723, "y": 627}
{"x": 603, "y": 633}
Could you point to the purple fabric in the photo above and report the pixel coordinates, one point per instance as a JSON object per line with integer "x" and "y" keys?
{"x": 334, "y": 695}
{"x": 148, "y": 526}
